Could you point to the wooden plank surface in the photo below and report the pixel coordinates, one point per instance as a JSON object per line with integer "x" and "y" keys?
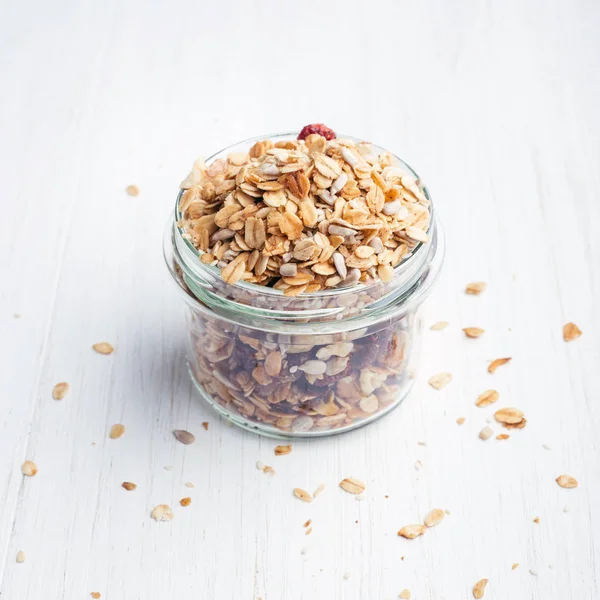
{"x": 494, "y": 103}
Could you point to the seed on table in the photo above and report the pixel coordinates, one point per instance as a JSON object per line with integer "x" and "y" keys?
{"x": 497, "y": 363}
{"x": 95, "y": 595}
{"x": 352, "y": 485}
{"x": 567, "y": 481}
{"x": 132, "y": 190}
{"x": 405, "y": 595}
{"x": 103, "y": 348}
{"x": 439, "y": 381}
{"x": 434, "y": 517}
{"x": 486, "y": 433}
{"x": 185, "y": 501}
{"x": 282, "y": 450}
{"x": 302, "y": 495}
{"x": 183, "y": 436}
{"x": 20, "y": 556}
{"x": 116, "y": 431}
{"x": 479, "y": 589}
{"x": 129, "y": 486}
{"x": 162, "y": 512}
{"x": 410, "y": 532}
{"x": 60, "y": 390}
{"x": 571, "y": 332}
{"x": 488, "y": 397}
{"x": 476, "y": 288}
{"x": 439, "y": 326}
{"x": 29, "y": 468}
{"x": 473, "y": 332}
{"x": 319, "y": 490}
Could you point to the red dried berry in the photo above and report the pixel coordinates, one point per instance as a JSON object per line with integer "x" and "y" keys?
{"x": 319, "y": 128}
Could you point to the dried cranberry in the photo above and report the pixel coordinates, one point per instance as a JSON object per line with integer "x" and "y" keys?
{"x": 319, "y": 128}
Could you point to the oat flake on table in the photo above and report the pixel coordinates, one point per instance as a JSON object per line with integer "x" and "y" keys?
{"x": 567, "y": 481}
{"x": 352, "y": 485}
{"x": 479, "y": 588}
{"x": 103, "y": 348}
{"x": 60, "y": 390}
{"x": 486, "y": 398}
{"x": 439, "y": 381}
{"x": 571, "y": 332}
{"x": 498, "y": 362}
{"x": 116, "y": 431}
{"x": 162, "y": 512}
{"x": 29, "y": 468}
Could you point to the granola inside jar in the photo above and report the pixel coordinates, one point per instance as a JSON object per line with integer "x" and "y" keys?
{"x": 323, "y": 360}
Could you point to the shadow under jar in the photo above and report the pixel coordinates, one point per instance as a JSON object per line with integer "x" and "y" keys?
{"x": 308, "y": 365}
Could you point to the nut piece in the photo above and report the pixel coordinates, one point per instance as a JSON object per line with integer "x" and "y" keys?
{"x": 281, "y": 450}
{"x": 486, "y": 433}
{"x": 60, "y": 390}
{"x": 20, "y": 556}
{"x": 132, "y": 190}
{"x": 473, "y": 332}
{"x": 129, "y": 486}
{"x": 302, "y": 495}
{"x": 567, "y": 481}
{"x": 439, "y": 325}
{"x": 571, "y": 332}
{"x": 185, "y": 501}
{"x": 116, "y": 431}
{"x": 488, "y": 397}
{"x": 476, "y": 288}
{"x": 497, "y": 363}
{"x": 162, "y": 512}
{"x": 183, "y": 436}
{"x": 103, "y": 348}
{"x": 205, "y": 425}
{"x": 479, "y": 588}
{"x": 410, "y": 532}
{"x": 434, "y": 517}
{"x": 440, "y": 380}
{"x": 352, "y": 485}
{"x": 29, "y": 468}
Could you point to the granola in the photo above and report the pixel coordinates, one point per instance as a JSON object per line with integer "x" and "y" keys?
{"x": 305, "y": 215}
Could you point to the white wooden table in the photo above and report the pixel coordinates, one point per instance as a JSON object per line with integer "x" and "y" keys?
{"x": 496, "y": 105}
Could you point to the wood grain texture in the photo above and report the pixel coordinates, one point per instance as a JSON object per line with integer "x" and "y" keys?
{"x": 495, "y": 104}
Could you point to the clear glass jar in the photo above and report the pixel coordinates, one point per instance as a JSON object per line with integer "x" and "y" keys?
{"x": 304, "y": 366}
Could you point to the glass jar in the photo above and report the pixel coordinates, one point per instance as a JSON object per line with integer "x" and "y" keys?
{"x": 304, "y": 366}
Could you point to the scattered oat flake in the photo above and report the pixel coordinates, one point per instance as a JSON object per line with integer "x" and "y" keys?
{"x": 129, "y": 486}
{"x": 319, "y": 490}
{"x": 422, "y": 443}
{"x": 533, "y": 572}
{"x": 307, "y": 523}
{"x": 103, "y": 348}
{"x": 498, "y": 362}
{"x": 536, "y": 520}
{"x": 183, "y": 436}
{"x": 502, "y": 436}
{"x": 346, "y": 575}
{"x": 509, "y": 416}
{"x": 205, "y": 425}
{"x": 488, "y": 397}
{"x": 567, "y": 481}
{"x": 567, "y": 508}
{"x": 479, "y": 588}
{"x": 571, "y": 332}
{"x": 132, "y": 190}
{"x": 473, "y": 332}
{"x": 269, "y": 469}
{"x": 410, "y": 532}
{"x": 95, "y": 595}
{"x": 440, "y": 380}
{"x": 29, "y": 468}
{"x": 302, "y": 495}
{"x": 433, "y": 517}
{"x": 162, "y": 512}
{"x": 282, "y": 450}
{"x": 486, "y": 433}
{"x": 20, "y": 556}
{"x": 185, "y": 501}
{"x": 460, "y": 420}
{"x": 260, "y": 465}
{"x": 189, "y": 484}
{"x": 439, "y": 325}
{"x": 60, "y": 390}
{"x": 418, "y": 465}
{"x": 352, "y": 485}
{"x": 116, "y": 431}
{"x": 515, "y": 565}
{"x": 404, "y": 595}
{"x": 308, "y": 531}
{"x": 476, "y": 288}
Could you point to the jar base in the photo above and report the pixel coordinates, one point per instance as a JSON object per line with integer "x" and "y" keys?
{"x": 275, "y": 433}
